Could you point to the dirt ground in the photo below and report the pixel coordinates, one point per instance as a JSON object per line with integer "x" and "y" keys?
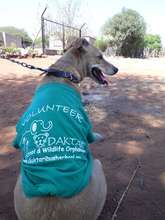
{"x": 130, "y": 113}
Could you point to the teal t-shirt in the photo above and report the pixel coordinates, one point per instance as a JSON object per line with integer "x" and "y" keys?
{"x": 53, "y": 136}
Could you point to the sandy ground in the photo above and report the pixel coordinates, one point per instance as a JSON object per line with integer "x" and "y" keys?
{"x": 130, "y": 113}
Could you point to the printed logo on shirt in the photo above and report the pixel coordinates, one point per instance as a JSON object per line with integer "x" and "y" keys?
{"x": 72, "y": 113}
{"x": 38, "y": 141}
{"x": 39, "y": 132}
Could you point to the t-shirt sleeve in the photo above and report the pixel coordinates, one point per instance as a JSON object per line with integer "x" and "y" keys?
{"x": 88, "y": 124}
{"x": 16, "y": 140}
{"x": 91, "y": 137}
{"x": 15, "y": 143}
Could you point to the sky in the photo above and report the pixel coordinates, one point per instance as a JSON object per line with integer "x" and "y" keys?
{"x": 26, "y": 14}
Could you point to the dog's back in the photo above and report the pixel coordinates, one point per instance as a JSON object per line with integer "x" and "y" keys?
{"x": 53, "y": 135}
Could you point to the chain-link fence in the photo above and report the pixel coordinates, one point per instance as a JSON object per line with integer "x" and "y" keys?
{"x": 56, "y": 36}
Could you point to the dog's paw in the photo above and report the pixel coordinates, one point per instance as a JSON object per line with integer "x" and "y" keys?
{"x": 98, "y": 137}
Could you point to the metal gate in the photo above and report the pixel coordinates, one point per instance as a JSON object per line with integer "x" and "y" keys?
{"x": 56, "y": 36}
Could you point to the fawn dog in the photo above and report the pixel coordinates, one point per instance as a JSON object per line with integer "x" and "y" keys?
{"x": 59, "y": 179}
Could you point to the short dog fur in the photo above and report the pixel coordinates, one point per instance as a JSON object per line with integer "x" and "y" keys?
{"x": 83, "y": 60}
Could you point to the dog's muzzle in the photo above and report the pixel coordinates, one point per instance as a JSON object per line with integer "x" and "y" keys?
{"x": 99, "y": 75}
{"x": 115, "y": 70}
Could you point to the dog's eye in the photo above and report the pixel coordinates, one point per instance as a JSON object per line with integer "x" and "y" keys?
{"x": 100, "y": 56}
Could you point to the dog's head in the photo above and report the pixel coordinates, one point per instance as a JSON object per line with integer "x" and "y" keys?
{"x": 91, "y": 61}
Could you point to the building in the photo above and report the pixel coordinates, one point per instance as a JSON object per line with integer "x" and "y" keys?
{"x": 1, "y": 39}
{"x": 7, "y": 40}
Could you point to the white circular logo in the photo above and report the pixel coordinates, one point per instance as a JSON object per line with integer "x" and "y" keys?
{"x": 34, "y": 127}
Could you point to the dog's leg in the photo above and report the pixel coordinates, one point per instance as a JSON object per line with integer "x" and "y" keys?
{"x": 99, "y": 178}
{"x": 98, "y": 137}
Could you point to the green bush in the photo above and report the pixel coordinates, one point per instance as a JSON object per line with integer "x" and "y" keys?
{"x": 11, "y": 50}
{"x": 127, "y": 30}
{"x": 101, "y": 44}
{"x": 153, "y": 42}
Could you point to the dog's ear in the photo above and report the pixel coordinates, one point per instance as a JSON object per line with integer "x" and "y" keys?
{"x": 80, "y": 44}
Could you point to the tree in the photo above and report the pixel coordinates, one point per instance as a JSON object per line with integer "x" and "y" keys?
{"x": 68, "y": 12}
{"x": 153, "y": 42}
{"x": 126, "y": 30}
{"x": 38, "y": 41}
{"x": 18, "y": 32}
{"x": 101, "y": 43}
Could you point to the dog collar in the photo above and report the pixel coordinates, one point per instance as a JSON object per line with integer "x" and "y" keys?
{"x": 63, "y": 74}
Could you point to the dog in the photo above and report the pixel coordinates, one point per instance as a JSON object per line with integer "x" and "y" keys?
{"x": 59, "y": 178}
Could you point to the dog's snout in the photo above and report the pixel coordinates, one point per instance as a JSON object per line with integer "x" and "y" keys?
{"x": 115, "y": 69}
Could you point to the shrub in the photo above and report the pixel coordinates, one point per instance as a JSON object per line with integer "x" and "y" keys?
{"x": 127, "y": 29}
{"x": 101, "y": 44}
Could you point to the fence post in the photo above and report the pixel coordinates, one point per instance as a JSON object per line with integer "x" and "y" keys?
{"x": 43, "y": 35}
{"x": 63, "y": 36}
{"x": 80, "y": 30}
{"x": 43, "y": 30}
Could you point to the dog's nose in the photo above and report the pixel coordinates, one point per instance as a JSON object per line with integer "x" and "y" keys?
{"x": 115, "y": 70}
